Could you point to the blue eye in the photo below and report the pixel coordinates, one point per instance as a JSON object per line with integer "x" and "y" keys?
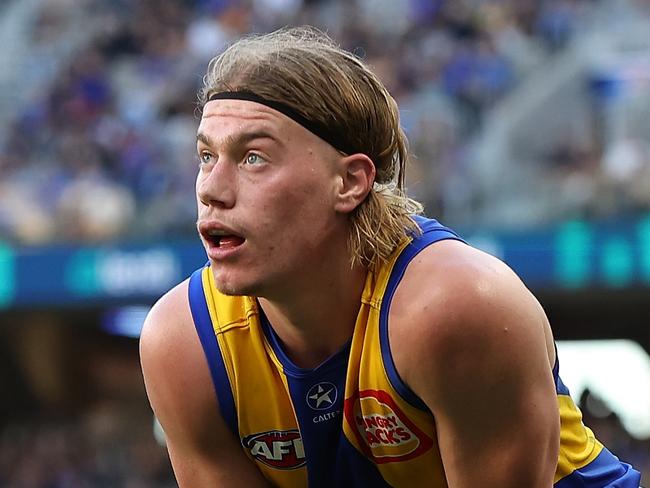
{"x": 205, "y": 158}
{"x": 252, "y": 158}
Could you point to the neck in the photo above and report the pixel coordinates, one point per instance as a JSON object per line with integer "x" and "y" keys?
{"x": 316, "y": 316}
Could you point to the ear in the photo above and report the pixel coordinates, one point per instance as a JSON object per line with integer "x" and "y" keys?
{"x": 357, "y": 175}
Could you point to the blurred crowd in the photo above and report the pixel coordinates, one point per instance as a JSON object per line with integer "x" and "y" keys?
{"x": 106, "y": 149}
{"x": 74, "y": 412}
{"x": 105, "y": 448}
{"x": 609, "y": 430}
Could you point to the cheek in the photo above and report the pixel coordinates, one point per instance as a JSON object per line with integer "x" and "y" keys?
{"x": 197, "y": 182}
{"x": 288, "y": 207}
{"x": 305, "y": 205}
{"x": 306, "y": 218}
{"x": 289, "y": 219}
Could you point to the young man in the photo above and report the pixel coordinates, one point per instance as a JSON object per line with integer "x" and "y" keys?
{"x": 349, "y": 341}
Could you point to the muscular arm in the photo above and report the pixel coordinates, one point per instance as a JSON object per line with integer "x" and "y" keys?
{"x": 203, "y": 452}
{"x": 475, "y": 346}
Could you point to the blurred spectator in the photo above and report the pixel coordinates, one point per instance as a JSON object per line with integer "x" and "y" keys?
{"x": 109, "y": 447}
{"x": 110, "y": 140}
{"x": 611, "y": 433}
{"x": 74, "y": 413}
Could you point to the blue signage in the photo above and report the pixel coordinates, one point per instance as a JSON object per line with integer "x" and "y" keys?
{"x": 7, "y": 275}
{"x": 570, "y": 255}
{"x": 64, "y": 276}
{"x": 576, "y": 254}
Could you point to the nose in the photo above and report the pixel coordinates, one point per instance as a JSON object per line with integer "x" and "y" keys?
{"x": 216, "y": 185}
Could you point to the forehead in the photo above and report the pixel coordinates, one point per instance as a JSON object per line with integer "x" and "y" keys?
{"x": 227, "y": 117}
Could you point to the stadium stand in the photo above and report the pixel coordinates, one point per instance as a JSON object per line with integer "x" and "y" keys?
{"x": 117, "y": 119}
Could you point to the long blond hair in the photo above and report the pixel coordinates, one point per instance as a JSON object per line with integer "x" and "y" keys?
{"x": 305, "y": 70}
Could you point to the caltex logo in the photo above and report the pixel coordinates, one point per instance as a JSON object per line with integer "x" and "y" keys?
{"x": 322, "y": 395}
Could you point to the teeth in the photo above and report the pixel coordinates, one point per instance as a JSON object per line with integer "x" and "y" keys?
{"x": 216, "y": 233}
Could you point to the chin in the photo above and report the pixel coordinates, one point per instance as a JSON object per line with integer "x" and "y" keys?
{"x": 235, "y": 290}
{"x": 234, "y": 287}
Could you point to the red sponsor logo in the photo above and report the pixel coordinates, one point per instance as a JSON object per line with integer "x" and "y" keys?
{"x": 383, "y": 431}
{"x": 279, "y": 449}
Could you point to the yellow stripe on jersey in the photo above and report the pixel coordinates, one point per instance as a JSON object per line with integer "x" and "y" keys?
{"x": 398, "y": 437}
{"x": 258, "y": 385}
{"x": 578, "y": 445}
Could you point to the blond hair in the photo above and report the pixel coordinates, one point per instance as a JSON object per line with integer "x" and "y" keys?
{"x": 305, "y": 70}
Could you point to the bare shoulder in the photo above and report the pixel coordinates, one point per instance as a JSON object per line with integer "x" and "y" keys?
{"x": 458, "y": 306}
{"x": 168, "y": 322}
{"x": 203, "y": 451}
{"x": 168, "y": 346}
{"x": 450, "y": 280}
{"x": 173, "y": 364}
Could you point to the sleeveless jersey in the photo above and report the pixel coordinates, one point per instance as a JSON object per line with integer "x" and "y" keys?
{"x": 351, "y": 421}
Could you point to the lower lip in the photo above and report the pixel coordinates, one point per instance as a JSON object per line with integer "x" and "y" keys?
{"x": 220, "y": 253}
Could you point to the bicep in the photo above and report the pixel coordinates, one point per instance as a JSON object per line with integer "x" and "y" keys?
{"x": 499, "y": 432}
{"x": 496, "y": 411}
{"x": 203, "y": 452}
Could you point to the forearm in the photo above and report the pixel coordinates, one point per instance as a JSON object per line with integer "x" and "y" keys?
{"x": 501, "y": 470}
{"x": 197, "y": 470}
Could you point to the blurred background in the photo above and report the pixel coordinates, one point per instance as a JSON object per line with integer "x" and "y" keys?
{"x": 529, "y": 124}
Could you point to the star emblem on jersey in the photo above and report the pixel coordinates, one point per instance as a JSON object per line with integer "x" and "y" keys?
{"x": 322, "y": 395}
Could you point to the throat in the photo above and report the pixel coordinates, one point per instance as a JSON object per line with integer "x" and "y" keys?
{"x": 307, "y": 348}
{"x": 316, "y": 320}
{"x": 305, "y": 354}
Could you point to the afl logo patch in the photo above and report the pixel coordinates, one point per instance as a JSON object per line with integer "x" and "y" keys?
{"x": 279, "y": 449}
{"x": 322, "y": 395}
{"x": 382, "y": 430}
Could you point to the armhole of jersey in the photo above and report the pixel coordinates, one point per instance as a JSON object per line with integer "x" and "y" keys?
{"x": 430, "y": 235}
{"x": 560, "y": 388}
{"x": 205, "y": 331}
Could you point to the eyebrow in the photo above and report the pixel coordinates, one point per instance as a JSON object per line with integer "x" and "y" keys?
{"x": 237, "y": 140}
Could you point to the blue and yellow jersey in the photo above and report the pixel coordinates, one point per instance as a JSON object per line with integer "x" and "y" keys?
{"x": 351, "y": 421}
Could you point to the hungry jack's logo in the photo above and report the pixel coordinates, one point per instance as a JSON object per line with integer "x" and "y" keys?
{"x": 280, "y": 449}
{"x": 383, "y": 432}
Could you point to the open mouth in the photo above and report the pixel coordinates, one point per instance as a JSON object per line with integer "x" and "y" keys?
{"x": 217, "y": 236}
{"x": 224, "y": 241}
